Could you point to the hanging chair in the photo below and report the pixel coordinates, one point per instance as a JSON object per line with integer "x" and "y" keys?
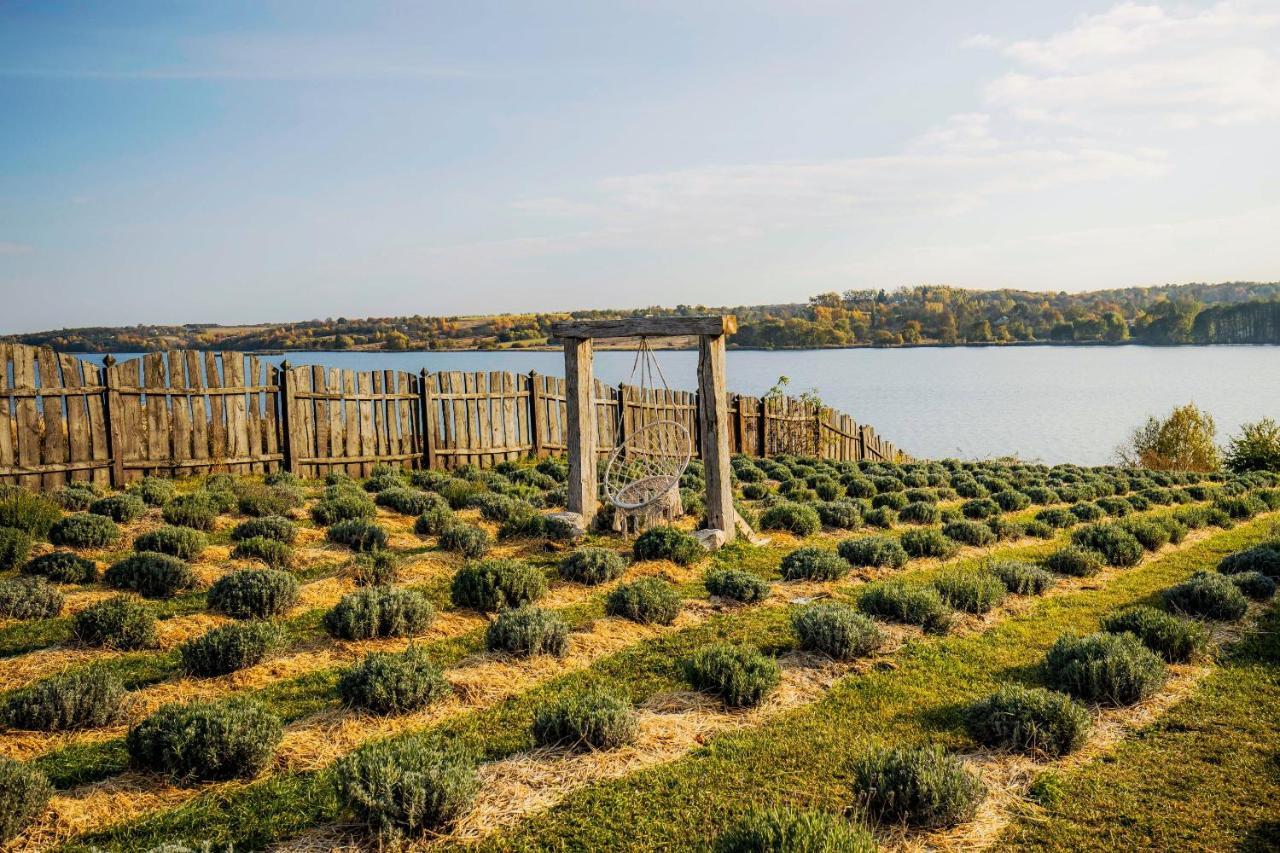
{"x": 647, "y": 465}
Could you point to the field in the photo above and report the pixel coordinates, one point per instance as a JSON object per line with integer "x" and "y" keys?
{"x": 422, "y": 658}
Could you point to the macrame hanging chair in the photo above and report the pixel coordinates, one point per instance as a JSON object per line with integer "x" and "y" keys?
{"x": 642, "y": 477}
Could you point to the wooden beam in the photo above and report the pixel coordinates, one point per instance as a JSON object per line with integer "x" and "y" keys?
{"x": 713, "y": 426}
{"x": 634, "y": 327}
{"x": 581, "y": 437}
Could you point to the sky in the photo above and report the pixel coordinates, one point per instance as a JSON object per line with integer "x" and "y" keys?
{"x": 235, "y": 162}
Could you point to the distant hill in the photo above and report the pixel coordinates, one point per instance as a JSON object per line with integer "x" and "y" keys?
{"x": 1232, "y": 312}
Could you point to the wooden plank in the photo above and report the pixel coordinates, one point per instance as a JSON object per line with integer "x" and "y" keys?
{"x": 633, "y": 327}
{"x": 79, "y": 448}
{"x": 536, "y": 415}
{"x": 427, "y": 413}
{"x": 580, "y": 401}
{"x": 53, "y": 445}
{"x": 199, "y": 403}
{"x": 271, "y": 429}
{"x": 337, "y": 419}
{"x": 375, "y": 409}
{"x": 159, "y": 450}
{"x": 237, "y": 411}
{"x": 316, "y": 426}
{"x": 410, "y": 422}
{"x": 28, "y": 416}
{"x": 458, "y": 414}
{"x": 368, "y": 438}
{"x": 350, "y": 422}
{"x": 8, "y": 418}
{"x": 180, "y": 411}
{"x": 714, "y": 428}
{"x": 253, "y": 413}
{"x": 217, "y": 406}
{"x": 493, "y": 407}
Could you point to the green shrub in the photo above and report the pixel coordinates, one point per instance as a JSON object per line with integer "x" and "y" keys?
{"x": 434, "y": 521}
{"x": 526, "y": 522}
{"x": 736, "y": 584}
{"x": 1209, "y": 595}
{"x": 907, "y": 603}
{"x": 1150, "y": 533}
{"x": 784, "y": 829}
{"x": 1038, "y": 529}
{"x": 24, "y": 795}
{"x": 84, "y": 530}
{"x": 342, "y": 506}
{"x": 969, "y": 533}
{"x": 379, "y": 611}
{"x": 972, "y": 592}
{"x": 198, "y": 510}
{"x": 1114, "y": 507}
{"x": 228, "y": 648}
{"x": 1107, "y": 669}
{"x": 62, "y": 567}
{"x": 920, "y": 513}
{"x": 206, "y": 741}
{"x": 928, "y": 543}
{"x": 15, "y": 545}
{"x": 1239, "y": 507}
{"x": 87, "y": 699}
{"x": 29, "y": 598}
{"x": 75, "y": 497}
{"x": 274, "y": 527}
{"x": 1011, "y": 500}
{"x": 668, "y": 543}
{"x": 1021, "y": 578}
{"x": 34, "y": 514}
{"x": 1030, "y": 719}
{"x": 1074, "y": 561}
{"x": 843, "y": 514}
{"x": 466, "y": 539}
{"x": 979, "y": 509}
{"x": 275, "y": 554}
{"x": 150, "y": 575}
{"x": 1169, "y": 636}
{"x": 836, "y": 629}
{"x": 873, "y": 551}
{"x": 1254, "y": 585}
{"x": 1116, "y": 546}
{"x": 1264, "y": 558}
{"x": 796, "y": 518}
{"x": 740, "y": 675}
{"x": 1057, "y": 517}
{"x": 386, "y": 683}
{"x": 253, "y": 593}
{"x": 358, "y": 535}
{"x": 1087, "y": 512}
{"x": 406, "y": 786}
{"x": 594, "y": 718}
{"x": 459, "y": 493}
{"x": 592, "y": 566}
{"x": 922, "y": 788}
{"x": 118, "y": 623}
{"x": 813, "y": 564}
{"x": 490, "y": 585}
{"x": 407, "y": 501}
{"x": 527, "y": 631}
{"x": 647, "y": 600}
{"x": 890, "y": 500}
{"x": 121, "y": 509}
{"x": 378, "y": 569}
{"x": 181, "y": 542}
{"x": 882, "y": 517}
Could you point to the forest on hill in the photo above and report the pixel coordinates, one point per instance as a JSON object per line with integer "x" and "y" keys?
{"x": 1226, "y": 313}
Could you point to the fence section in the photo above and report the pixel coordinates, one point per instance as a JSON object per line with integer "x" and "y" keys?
{"x": 186, "y": 412}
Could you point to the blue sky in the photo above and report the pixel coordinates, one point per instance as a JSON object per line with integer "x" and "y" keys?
{"x": 239, "y": 162}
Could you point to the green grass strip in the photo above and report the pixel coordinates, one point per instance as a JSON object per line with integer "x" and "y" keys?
{"x": 257, "y": 814}
{"x": 803, "y": 756}
{"x": 1203, "y": 777}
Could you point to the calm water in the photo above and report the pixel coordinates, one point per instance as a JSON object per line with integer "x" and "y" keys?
{"x": 1052, "y": 404}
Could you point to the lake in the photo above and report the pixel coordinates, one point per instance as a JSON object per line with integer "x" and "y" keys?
{"x": 1042, "y": 403}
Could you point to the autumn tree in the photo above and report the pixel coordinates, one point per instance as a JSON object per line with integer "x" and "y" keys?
{"x": 1182, "y": 441}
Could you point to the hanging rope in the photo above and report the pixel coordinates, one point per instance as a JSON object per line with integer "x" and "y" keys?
{"x": 649, "y": 462}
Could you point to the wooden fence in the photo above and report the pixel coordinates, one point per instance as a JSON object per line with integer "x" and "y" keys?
{"x": 184, "y": 412}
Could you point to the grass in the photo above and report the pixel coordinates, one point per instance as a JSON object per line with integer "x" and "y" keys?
{"x": 1205, "y": 776}
{"x": 924, "y": 696}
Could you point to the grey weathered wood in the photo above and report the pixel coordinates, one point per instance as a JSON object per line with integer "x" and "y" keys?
{"x": 580, "y": 402}
{"x": 111, "y": 415}
{"x": 537, "y": 415}
{"x": 714, "y": 428}
{"x": 634, "y": 327}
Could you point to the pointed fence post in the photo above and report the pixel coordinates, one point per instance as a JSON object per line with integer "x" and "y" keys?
{"x": 111, "y": 414}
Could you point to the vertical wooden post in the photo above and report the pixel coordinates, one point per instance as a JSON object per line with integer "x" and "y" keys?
{"x": 698, "y": 443}
{"x": 537, "y": 416}
{"x": 111, "y": 413}
{"x": 621, "y": 420}
{"x": 284, "y": 419}
{"x": 713, "y": 426}
{"x": 762, "y": 432}
{"x": 426, "y": 404}
{"x": 739, "y": 425}
{"x": 581, "y": 438}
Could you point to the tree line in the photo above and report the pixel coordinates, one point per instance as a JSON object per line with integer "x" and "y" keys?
{"x": 1227, "y": 313}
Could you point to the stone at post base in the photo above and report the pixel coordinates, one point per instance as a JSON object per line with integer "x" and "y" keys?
{"x": 574, "y": 521}
{"x": 711, "y": 538}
